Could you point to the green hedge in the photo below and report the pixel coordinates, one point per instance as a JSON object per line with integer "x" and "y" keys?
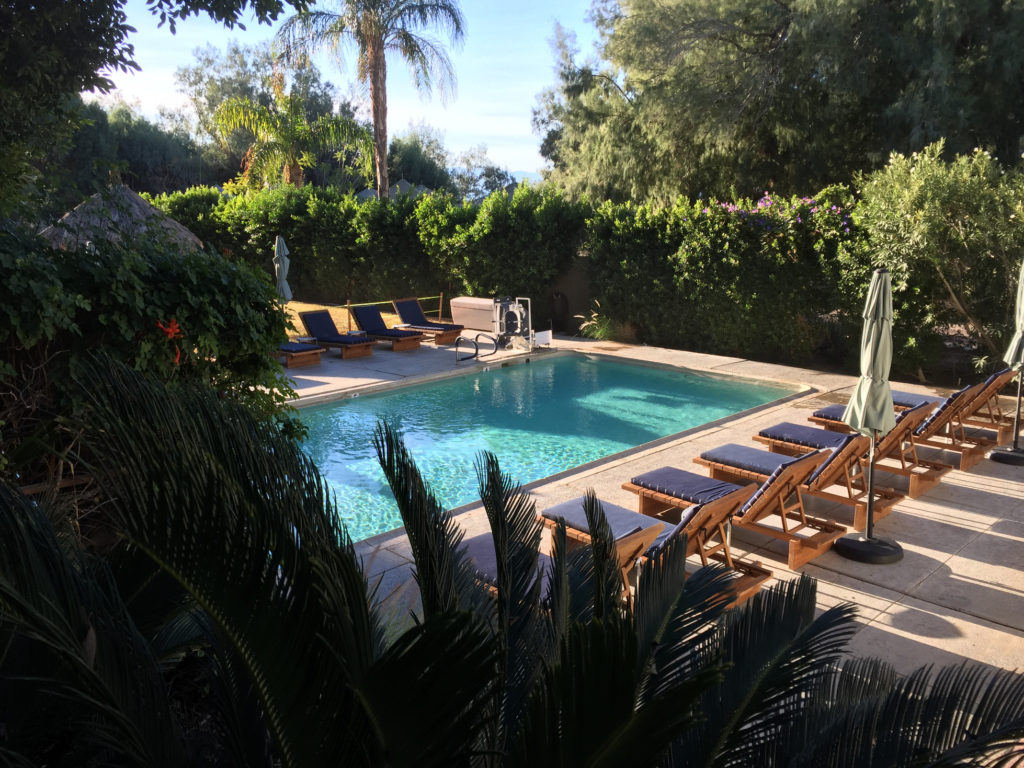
{"x": 773, "y": 279}
{"x": 343, "y": 249}
{"x": 753, "y": 279}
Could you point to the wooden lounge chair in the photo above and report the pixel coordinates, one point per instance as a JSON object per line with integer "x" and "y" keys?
{"x": 780, "y": 495}
{"x": 370, "y": 321}
{"x": 629, "y": 548}
{"x": 703, "y": 525}
{"x": 840, "y": 477}
{"x": 299, "y": 355}
{"x": 321, "y": 327}
{"x": 985, "y": 410}
{"x": 632, "y": 541}
{"x": 412, "y": 315}
{"x": 895, "y": 452}
{"x": 978, "y": 407}
{"x": 944, "y": 430}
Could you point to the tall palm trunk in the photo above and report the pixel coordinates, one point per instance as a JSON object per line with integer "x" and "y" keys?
{"x": 379, "y": 107}
{"x": 293, "y": 174}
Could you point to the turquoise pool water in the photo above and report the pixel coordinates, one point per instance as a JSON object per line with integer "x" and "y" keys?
{"x": 539, "y": 418}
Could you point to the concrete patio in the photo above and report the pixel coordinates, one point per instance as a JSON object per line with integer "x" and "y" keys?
{"x": 957, "y": 594}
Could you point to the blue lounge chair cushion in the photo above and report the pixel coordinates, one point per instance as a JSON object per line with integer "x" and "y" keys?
{"x": 412, "y": 313}
{"x": 831, "y": 412}
{"x": 912, "y": 400}
{"x": 688, "y": 486}
{"x": 901, "y": 399}
{"x": 800, "y": 434}
{"x": 943, "y": 407}
{"x": 745, "y": 457}
{"x": 322, "y": 328}
{"x": 480, "y": 550}
{"x": 766, "y": 462}
{"x": 297, "y": 346}
{"x": 369, "y": 319}
{"x": 622, "y": 521}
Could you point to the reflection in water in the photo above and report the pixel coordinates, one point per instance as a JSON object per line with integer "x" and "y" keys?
{"x": 539, "y": 418}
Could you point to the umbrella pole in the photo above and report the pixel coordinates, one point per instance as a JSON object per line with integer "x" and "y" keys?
{"x": 1013, "y": 454}
{"x": 868, "y": 548}
{"x": 870, "y": 530}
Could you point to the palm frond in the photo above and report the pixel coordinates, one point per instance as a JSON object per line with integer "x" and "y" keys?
{"x": 521, "y": 630}
{"x": 443, "y": 671}
{"x": 428, "y": 62}
{"x": 304, "y": 33}
{"x": 674, "y": 615}
{"x": 446, "y": 578}
{"x": 779, "y": 658}
{"x": 583, "y": 711}
{"x": 243, "y": 520}
{"x": 963, "y": 715}
{"x": 607, "y": 581}
{"x": 239, "y": 113}
{"x": 79, "y": 682}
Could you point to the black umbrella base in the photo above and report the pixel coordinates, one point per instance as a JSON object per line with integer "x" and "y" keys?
{"x": 1008, "y": 456}
{"x": 864, "y": 550}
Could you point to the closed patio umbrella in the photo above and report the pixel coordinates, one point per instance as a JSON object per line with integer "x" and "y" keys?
{"x": 870, "y": 411}
{"x": 1014, "y": 358}
{"x": 281, "y": 264}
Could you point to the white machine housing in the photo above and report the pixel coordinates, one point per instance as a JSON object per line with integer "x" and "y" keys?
{"x": 506, "y": 318}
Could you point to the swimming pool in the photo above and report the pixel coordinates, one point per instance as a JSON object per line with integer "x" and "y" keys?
{"x": 539, "y": 418}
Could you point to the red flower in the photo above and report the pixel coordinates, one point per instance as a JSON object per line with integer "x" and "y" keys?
{"x": 173, "y": 331}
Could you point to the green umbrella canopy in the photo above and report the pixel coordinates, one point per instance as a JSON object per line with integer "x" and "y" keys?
{"x": 1015, "y": 352}
{"x": 870, "y": 409}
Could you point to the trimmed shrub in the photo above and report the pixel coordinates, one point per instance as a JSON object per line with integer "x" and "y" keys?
{"x": 753, "y": 279}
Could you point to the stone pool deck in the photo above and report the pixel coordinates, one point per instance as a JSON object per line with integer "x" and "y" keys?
{"x": 957, "y": 594}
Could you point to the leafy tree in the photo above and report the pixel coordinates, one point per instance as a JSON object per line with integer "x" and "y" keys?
{"x": 52, "y": 50}
{"x": 951, "y": 233}
{"x": 242, "y": 72}
{"x": 707, "y": 98}
{"x": 419, "y": 157}
{"x": 286, "y": 141}
{"x": 377, "y": 29}
{"x": 476, "y": 175}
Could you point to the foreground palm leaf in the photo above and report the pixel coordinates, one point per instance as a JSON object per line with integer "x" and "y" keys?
{"x": 238, "y": 514}
{"x": 78, "y": 684}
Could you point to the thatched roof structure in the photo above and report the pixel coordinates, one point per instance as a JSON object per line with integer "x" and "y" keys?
{"x": 116, "y": 213}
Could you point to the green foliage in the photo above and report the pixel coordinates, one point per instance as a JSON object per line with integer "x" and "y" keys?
{"x": 695, "y": 97}
{"x": 60, "y": 305}
{"x": 420, "y": 158}
{"x": 345, "y": 249}
{"x": 53, "y": 50}
{"x": 286, "y": 141}
{"x": 377, "y": 28}
{"x": 952, "y": 234}
{"x": 750, "y": 279}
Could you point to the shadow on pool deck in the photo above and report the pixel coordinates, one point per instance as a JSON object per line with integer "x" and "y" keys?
{"x": 957, "y": 594}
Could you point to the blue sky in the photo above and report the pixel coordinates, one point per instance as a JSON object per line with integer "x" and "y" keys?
{"x": 504, "y": 62}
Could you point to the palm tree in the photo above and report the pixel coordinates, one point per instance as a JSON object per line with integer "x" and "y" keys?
{"x": 376, "y": 28}
{"x": 284, "y": 137}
